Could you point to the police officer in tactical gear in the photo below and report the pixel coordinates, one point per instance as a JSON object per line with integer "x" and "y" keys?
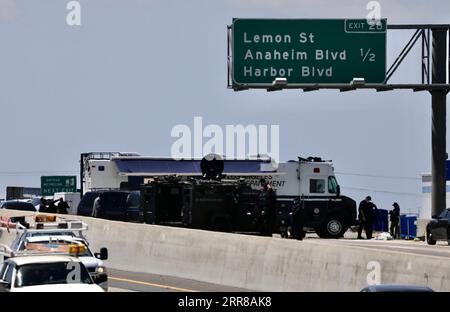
{"x": 298, "y": 216}
{"x": 63, "y": 206}
{"x": 366, "y": 217}
{"x": 267, "y": 209}
{"x": 395, "y": 220}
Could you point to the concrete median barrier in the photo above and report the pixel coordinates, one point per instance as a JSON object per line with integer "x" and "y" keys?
{"x": 258, "y": 263}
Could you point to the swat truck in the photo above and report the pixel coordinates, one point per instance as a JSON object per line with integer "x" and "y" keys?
{"x": 232, "y": 205}
{"x": 309, "y": 181}
{"x": 209, "y": 202}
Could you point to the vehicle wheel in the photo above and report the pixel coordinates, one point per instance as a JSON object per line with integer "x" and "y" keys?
{"x": 333, "y": 227}
{"x": 430, "y": 240}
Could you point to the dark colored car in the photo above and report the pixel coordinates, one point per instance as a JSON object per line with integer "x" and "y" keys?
{"x": 18, "y": 205}
{"x": 114, "y": 205}
{"x": 86, "y": 203}
{"x": 439, "y": 228}
{"x": 396, "y": 288}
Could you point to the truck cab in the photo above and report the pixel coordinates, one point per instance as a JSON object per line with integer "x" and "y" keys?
{"x": 326, "y": 210}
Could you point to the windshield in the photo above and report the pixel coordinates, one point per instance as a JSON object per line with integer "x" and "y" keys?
{"x": 52, "y": 273}
{"x": 332, "y": 185}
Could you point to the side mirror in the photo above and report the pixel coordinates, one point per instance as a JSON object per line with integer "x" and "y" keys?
{"x": 5, "y": 285}
{"x": 103, "y": 254}
{"x": 100, "y": 278}
{"x": 338, "y": 190}
{"x": 434, "y": 217}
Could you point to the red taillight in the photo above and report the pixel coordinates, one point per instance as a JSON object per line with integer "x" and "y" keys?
{"x": 316, "y": 170}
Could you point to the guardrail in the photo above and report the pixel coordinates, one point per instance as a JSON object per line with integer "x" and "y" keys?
{"x": 258, "y": 263}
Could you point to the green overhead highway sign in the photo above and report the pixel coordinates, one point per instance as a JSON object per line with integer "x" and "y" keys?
{"x": 56, "y": 184}
{"x": 307, "y": 51}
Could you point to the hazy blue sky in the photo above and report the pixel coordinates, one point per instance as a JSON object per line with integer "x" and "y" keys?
{"x": 136, "y": 68}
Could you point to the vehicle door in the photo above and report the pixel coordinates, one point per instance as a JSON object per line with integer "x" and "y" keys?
{"x": 315, "y": 201}
{"x": 6, "y": 277}
{"x": 147, "y": 206}
{"x": 440, "y": 229}
{"x": 114, "y": 205}
{"x": 245, "y": 217}
{"x": 133, "y": 202}
{"x": 187, "y": 205}
{"x": 86, "y": 204}
{"x": 335, "y": 204}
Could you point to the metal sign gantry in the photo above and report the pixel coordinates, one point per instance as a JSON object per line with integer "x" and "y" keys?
{"x": 434, "y": 34}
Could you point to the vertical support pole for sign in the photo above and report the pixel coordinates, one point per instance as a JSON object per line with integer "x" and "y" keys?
{"x": 229, "y": 79}
{"x": 83, "y": 155}
{"x": 424, "y": 56}
{"x": 438, "y": 132}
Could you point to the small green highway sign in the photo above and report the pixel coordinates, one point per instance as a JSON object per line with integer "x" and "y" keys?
{"x": 56, "y": 184}
{"x": 307, "y": 51}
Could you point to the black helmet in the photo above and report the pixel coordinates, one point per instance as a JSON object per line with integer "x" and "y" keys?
{"x": 368, "y": 198}
{"x": 395, "y": 205}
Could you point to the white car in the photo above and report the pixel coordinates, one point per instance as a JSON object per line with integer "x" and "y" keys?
{"x": 52, "y": 238}
{"x": 45, "y": 273}
{"x": 92, "y": 261}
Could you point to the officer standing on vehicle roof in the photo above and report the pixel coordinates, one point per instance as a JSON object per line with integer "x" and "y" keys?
{"x": 366, "y": 217}
{"x": 395, "y": 219}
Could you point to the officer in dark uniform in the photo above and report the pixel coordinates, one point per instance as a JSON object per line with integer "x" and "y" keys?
{"x": 366, "y": 217}
{"x": 97, "y": 206}
{"x": 51, "y": 208}
{"x": 272, "y": 209}
{"x": 43, "y": 205}
{"x": 297, "y": 219}
{"x": 395, "y": 219}
{"x": 267, "y": 209}
{"x": 63, "y": 206}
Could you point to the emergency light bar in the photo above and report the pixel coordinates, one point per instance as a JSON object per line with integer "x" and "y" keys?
{"x": 45, "y": 218}
{"x": 39, "y": 250}
{"x": 51, "y": 227}
{"x": 76, "y": 249}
